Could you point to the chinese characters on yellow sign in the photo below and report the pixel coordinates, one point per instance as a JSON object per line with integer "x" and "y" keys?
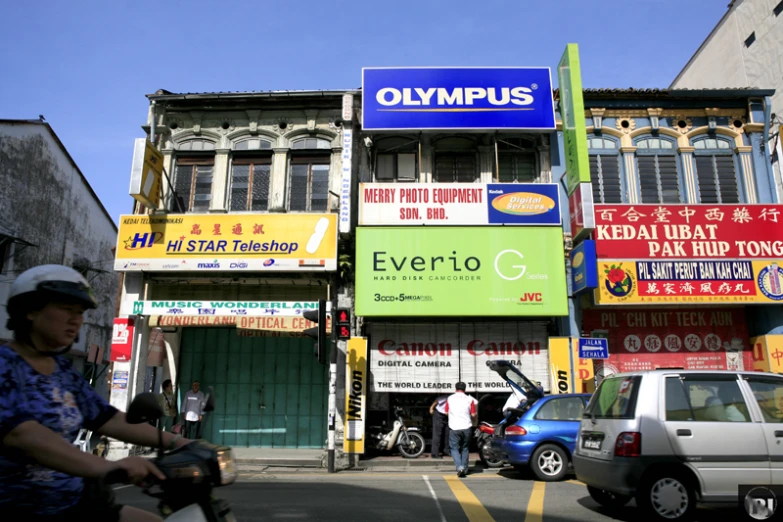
{"x": 234, "y": 242}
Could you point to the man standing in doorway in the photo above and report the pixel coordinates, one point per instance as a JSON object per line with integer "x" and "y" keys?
{"x": 193, "y": 411}
{"x": 440, "y": 426}
{"x": 462, "y": 412}
{"x": 168, "y": 403}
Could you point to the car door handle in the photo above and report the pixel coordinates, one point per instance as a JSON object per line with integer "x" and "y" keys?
{"x": 684, "y": 433}
{"x": 779, "y": 433}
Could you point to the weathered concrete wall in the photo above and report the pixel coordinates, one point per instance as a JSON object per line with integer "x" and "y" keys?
{"x": 726, "y": 61}
{"x": 46, "y": 201}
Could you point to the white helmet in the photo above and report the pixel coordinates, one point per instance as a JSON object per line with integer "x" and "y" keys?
{"x": 46, "y": 283}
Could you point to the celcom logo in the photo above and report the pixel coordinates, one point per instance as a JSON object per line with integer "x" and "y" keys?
{"x": 761, "y": 503}
{"x": 513, "y": 272}
{"x": 407, "y": 97}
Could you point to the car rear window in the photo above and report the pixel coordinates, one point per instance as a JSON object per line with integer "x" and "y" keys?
{"x": 615, "y": 398}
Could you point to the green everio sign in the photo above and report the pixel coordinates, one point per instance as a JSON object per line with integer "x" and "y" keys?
{"x": 572, "y": 113}
{"x": 460, "y": 271}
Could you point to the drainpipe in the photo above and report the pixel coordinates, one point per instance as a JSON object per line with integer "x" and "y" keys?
{"x": 152, "y": 123}
{"x": 765, "y": 144}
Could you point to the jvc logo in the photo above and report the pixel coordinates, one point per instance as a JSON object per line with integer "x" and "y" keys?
{"x": 532, "y": 297}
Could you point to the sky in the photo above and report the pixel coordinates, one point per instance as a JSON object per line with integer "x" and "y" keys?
{"x": 87, "y": 65}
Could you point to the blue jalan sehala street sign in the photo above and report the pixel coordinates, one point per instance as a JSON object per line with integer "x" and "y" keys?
{"x": 421, "y": 98}
{"x": 593, "y": 348}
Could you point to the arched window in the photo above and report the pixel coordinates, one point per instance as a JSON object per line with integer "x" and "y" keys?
{"x": 396, "y": 158}
{"x": 456, "y": 160}
{"x": 193, "y": 174}
{"x": 516, "y": 160}
{"x": 605, "y": 170}
{"x": 716, "y": 171}
{"x": 251, "y": 170}
{"x": 659, "y": 179}
{"x": 308, "y": 186}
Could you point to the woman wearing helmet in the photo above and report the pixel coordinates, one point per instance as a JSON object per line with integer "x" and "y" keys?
{"x": 44, "y": 403}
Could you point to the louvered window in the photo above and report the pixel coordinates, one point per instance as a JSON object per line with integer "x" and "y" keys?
{"x": 250, "y": 183}
{"x": 716, "y": 171}
{"x": 659, "y": 179}
{"x": 516, "y": 160}
{"x": 193, "y": 182}
{"x": 308, "y": 190}
{"x": 605, "y": 171}
{"x": 455, "y": 167}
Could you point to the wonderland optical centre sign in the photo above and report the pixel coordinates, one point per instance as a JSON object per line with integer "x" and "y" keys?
{"x": 457, "y": 98}
{"x": 460, "y": 271}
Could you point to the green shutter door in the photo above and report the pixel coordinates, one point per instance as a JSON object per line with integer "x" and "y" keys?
{"x": 271, "y": 391}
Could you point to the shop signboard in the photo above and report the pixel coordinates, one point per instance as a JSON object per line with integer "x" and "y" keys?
{"x": 213, "y": 309}
{"x": 460, "y": 271}
{"x": 121, "y": 340}
{"x": 227, "y": 243}
{"x": 569, "y": 76}
{"x": 345, "y": 178}
{"x": 430, "y": 358}
{"x": 768, "y": 353}
{"x": 568, "y": 373}
{"x": 434, "y": 98}
{"x": 146, "y": 173}
{"x": 584, "y": 268}
{"x": 689, "y": 231}
{"x": 356, "y": 379}
{"x": 445, "y": 204}
{"x": 688, "y": 281}
{"x": 581, "y": 211}
{"x": 646, "y": 339}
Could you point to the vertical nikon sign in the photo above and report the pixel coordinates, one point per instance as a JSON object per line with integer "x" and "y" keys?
{"x": 460, "y": 271}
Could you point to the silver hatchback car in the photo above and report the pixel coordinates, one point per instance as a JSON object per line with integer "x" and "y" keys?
{"x": 675, "y": 438}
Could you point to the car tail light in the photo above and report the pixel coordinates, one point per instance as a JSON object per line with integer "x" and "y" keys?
{"x": 515, "y": 431}
{"x": 487, "y": 429}
{"x": 629, "y": 444}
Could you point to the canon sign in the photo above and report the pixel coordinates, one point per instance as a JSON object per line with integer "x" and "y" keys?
{"x": 517, "y": 98}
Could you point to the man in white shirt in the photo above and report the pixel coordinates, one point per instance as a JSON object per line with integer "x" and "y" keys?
{"x": 193, "y": 411}
{"x": 462, "y": 411}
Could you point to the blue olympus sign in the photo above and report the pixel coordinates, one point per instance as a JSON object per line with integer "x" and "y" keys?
{"x": 457, "y": 98}
{"x": 593, "y": 348}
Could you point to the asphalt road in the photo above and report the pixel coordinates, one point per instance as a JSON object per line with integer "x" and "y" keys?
{"x": 362, "y": 496}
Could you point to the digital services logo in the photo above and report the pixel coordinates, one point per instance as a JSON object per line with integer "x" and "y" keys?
{"x": 619, "y": 282}
{"x": 523, "y": 204}
{"x": 771, "y": 282}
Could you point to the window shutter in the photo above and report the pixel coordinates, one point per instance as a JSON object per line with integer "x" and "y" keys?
{"x": 708, "y": 189}
{"x": 385, "y": 167}
{"x": 648, "y": 179}
{"x": 406, "y": 167}
{"x": 260, "y": 195}
{"x": 610, "y": 178}
{"x": 727, "y": 179}
{"x": 298, "y": 188}
{"x": 240, "y": 182}
{"x": 670, "y": 181}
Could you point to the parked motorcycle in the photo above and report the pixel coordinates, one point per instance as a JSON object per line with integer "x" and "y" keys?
{"x": 408, "y": 439}
{"x": 483, "y": 438}
{"x": 192, "y": 471}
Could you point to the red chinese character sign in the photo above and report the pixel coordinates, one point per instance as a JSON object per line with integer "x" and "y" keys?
{"x": 714, "y": 339}
{"x": 689, "y": 231}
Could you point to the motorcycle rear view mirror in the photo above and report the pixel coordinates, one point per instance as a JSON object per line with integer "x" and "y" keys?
{"x": 144, "y": 408}
{"x": 210, "y": 405}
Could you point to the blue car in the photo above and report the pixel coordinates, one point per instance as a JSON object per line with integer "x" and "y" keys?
{"x": 540, "y": 434}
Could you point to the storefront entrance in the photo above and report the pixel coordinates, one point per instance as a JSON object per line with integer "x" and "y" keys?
{"x": 270, "y": 391}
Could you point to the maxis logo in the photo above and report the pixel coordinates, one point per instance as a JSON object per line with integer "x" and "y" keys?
{"x": 213, "y": 264}
{"x": 459, "y": 99}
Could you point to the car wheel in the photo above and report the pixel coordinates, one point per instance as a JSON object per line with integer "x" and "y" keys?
{"x": 485, "y": 459}
{"x": 607, "y": 499}
{"x": 549, "y": 463}
{"x": 667, "y": 496}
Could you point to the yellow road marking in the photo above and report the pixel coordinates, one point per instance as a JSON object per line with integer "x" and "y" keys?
{"x": 348, "y": 474}
{"x": 473, "y": 509}
{"x": 575, "y": 482}
{"x": 535, "y": 506}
